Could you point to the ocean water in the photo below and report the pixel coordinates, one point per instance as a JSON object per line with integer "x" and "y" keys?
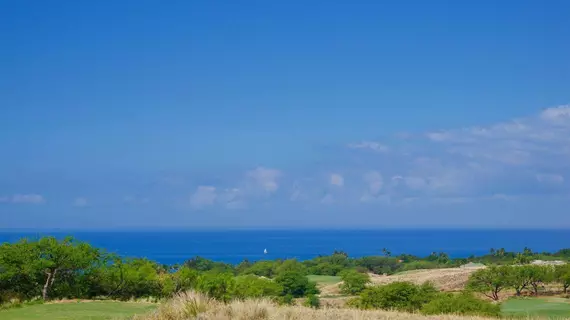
{"x": 170, "y": 247}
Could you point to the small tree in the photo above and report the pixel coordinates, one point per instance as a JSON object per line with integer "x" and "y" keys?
{"x": 519, "y": 278}
{"x": 296, "y": 284}
{"x": 353, "y": 282}
{"x": 62, "y": 257}
{"x": 312, "y": 301}
{"x": 562, "y": 275}
{"x": 539, "y": 275}
{"x": 490, "y": 281}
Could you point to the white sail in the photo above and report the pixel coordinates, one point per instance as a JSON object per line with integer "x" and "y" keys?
{"x": 265, "y": 251}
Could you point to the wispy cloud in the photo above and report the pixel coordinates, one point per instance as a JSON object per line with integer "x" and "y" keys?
{"x": 263, "y": 178}
{"x": 24, "y": 199}
{"x": 203, "y": 196}
{"x": 370, "y": 145}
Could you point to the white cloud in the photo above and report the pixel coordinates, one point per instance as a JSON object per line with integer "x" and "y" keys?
{"x": 550, "y": 178}
{"x": 374, "y": 146}
{"x": 28, "y": 198}
{"x": 203, "y": 196}
{"x": 337, "y": 180}
{"x": 556, "y": 114}
{"x": 265, "y": 178}
{"x": 80, "y": 202}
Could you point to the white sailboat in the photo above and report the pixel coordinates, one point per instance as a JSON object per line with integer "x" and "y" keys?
{"x": 265, "y": 251}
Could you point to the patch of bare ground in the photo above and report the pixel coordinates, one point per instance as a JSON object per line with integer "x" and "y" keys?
{"x": 448, "y": 279}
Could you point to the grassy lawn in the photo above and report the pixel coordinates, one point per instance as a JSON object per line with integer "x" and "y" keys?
{"x": 91, "y": 310}
{"x": 324, "y": 279}
{"x": 545, "y": 307}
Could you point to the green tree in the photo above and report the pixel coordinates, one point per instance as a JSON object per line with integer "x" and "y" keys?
{"x": 250, "y": 286}
{"x": 490, "y": 281}
{"x": 540, "y": 275}
{"x": 59, "y": 258}
{"x": 522, "y": 259}
{"x": 263, "y": 268}
{"x": 353, "y": 282}
{"x": 518, "y": 278}
{"x": 185, "y": 278}
{"x": 401, "y": 296}
{"x": 562, "y": 275}
{"x": 296, "y": 284}
{"x": 291, "y": 265}
{"x": 219, "y": 286}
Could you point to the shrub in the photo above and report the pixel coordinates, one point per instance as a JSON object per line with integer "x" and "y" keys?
{"x": 353, "y": 282}
{"x": 312, "y": 301}
{"x": 401, "y": 296}
{"x": 461, "y": 304}
{"x": 216, "y": 285}
{"x": 250, "y": 286}
{"x": 296, "y": 284}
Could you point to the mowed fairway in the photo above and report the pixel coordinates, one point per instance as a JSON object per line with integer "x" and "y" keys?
{"x": 90, "y": 310}
{"x": 544, "y": 307}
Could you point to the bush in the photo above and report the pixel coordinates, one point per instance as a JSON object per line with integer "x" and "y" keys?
{"x": 353, "y": 282}
{"x": 296, "y": 284}
{"x": 401, "y": 296}
{"x": 219, "y": 286}
{"x": 285, "y": 300}
{"x": 253, "y": 287}
{"x": 461, "y": 304}
{"x": 312, "y": 301}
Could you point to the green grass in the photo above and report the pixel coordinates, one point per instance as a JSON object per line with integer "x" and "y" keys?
{"x": 91, "y": 310}
{"x": 324, "y": 279}
{"x": 543, "y": 307}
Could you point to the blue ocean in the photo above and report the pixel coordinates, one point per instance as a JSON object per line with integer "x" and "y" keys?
{"x": 171, "y": 247}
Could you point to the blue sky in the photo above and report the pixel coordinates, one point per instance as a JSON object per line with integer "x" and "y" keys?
{"x": 284, "y": 114}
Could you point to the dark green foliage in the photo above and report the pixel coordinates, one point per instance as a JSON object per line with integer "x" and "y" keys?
{"x": 312, "y": 301}
{"x": 562, "y": 276}
{"x": 219, "y": 286}
{"x": 353, "y": 282}
{"x": 490, "y": 281}
{"x": 203, "y": 265}
{"x": 328, "y": 265}
{"x": 460, "y": 304}
{"x": 250, "y": 286}
{"x": 401, "y": 296}
{"x": 296, "y": 284}
{"x": 378, "y": 264}
{"x": 263, "y": 268}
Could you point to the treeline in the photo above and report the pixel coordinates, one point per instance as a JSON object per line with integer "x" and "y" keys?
{"x": 522, "y": 279}
{"x": 53, "y": 269}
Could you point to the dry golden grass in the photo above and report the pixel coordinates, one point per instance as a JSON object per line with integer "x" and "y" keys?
{"x": 192, "y": 305}
{"x": 448, "y": 279}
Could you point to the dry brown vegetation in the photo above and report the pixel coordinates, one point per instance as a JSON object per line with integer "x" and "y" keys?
{"x": 447, "y": 279}
{"x": 192, "y": 305}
